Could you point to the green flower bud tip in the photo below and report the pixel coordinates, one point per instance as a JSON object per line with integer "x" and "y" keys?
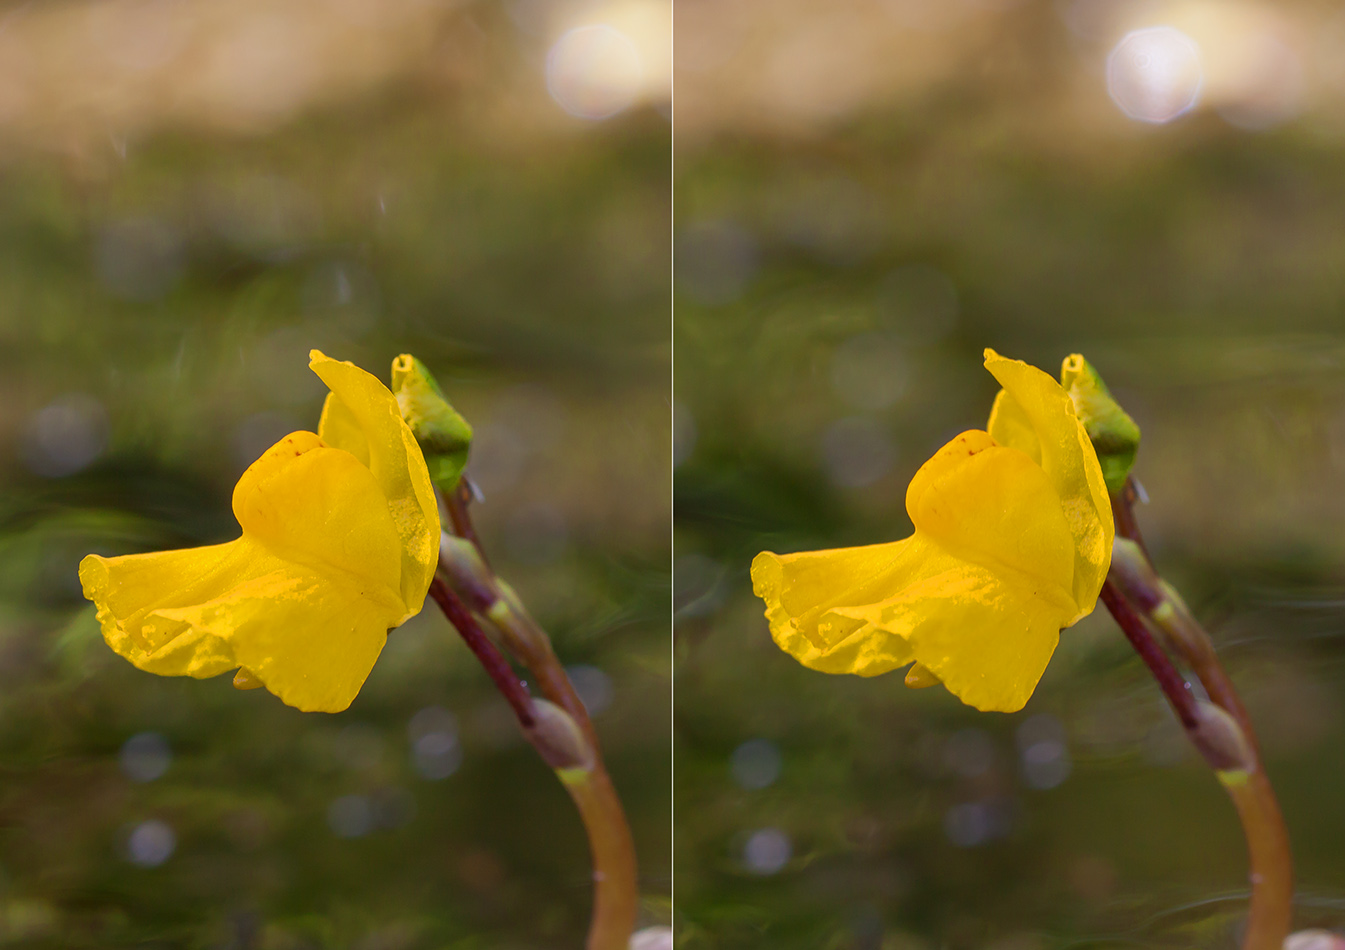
{"x": 1115, "y": 436}
{"x": 444, "y": 436}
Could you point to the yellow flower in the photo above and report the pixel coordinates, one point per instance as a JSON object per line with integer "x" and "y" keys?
{"x": 339, "y": 544}
{"x": 1013, "y": 536}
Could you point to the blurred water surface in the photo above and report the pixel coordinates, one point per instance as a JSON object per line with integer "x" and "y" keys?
{"x": 867, "y": 194}
{"x": 193, "y": 195}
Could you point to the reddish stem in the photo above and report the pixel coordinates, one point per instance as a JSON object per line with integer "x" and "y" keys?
{"x": 497, "y": 667}
{"x": 1173, "y": 684}
{"x": 1123, "y": 513}
{"x": 456, "y": 502}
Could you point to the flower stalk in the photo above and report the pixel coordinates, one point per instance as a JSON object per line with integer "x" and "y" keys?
{"x": 473, "y": 598}
{"x": 514, "y": 690}
{"x": 1142, "y": 602}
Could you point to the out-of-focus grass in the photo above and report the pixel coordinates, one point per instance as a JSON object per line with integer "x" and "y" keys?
{"x": 836, "y": 286}
{"x": 156, "y": 312}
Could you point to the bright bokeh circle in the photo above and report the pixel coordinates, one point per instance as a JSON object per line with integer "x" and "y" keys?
{"x": 594, "y": 72}
{"x": 1154, "y": 74}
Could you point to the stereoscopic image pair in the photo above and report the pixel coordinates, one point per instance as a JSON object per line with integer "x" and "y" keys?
{"x": 445, "y": 443}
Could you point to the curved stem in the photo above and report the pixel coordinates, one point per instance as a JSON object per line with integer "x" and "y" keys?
{"x": 1123, "y": 513}
{"x": 616, "y": 892}
{"x": 456, "y": 503}
{"x": 615, "y": 870}
{"x": 1133, "y": 578}
{"x": 509, "y": 685}
{"x": 1173, "y": 684}
{"x": 1271, "y": 864}
{"x": 615, "y": 873}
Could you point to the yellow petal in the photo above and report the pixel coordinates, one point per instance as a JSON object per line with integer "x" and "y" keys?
{"x": 303, "y": 599}
{"x": 1012, "y": 542}
{"x": 918, "y": 676}
{"x": 394, "y": 458}
{"x": 339, "y": 428}
{"x": 976, "y": 597}
{"x": 870, "y": 610}
{"x": 1070, "y": 463}
{"x": 995, "y": 507}
{"x": 986, "y": 639}
{"x": 317, "y": 505}
{"x": 1010, "y": 426}
{"x": 312, "y": 642}
{"x": 128, "y": 591}
{"x": 244, "y": 679}
{"x": 803, "y": 591}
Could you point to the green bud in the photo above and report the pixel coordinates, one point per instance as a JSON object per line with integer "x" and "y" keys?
{"x": 1115, "y": 436}
{"x": 444, "y": 436}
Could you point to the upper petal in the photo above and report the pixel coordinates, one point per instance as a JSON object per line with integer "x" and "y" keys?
{"x": 1069, "y": 461}
{"x": 367, "y": 409}
{"x": 994, "y": 506}
{"x": 338, "y": 427}
{"x": 312, "y": 504}
{"x": 1009, "y": 425}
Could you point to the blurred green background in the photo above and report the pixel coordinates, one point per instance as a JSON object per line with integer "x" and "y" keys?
{"x": 868, "y": 194}
{"x": 192, "y": 196}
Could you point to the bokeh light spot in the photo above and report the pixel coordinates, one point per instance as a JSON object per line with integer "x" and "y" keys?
{"x": 66, "y": 436}
{"x": 145, "y": 756}
{"x": 594, "y": 72}
{"x": 767, "y": 851}
{"x": 652, "y": 938}
{"x": 1044, "y": 760}
{"x": 967, "y": 825}
{"x": 351, "y": 816}
{"x": 436, "y": 756}
{"x": 150, "y": 844}
{"x": 435, "y": 750}
{"x": 1154, "y": 74}
{"x": 755, "y": 764}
